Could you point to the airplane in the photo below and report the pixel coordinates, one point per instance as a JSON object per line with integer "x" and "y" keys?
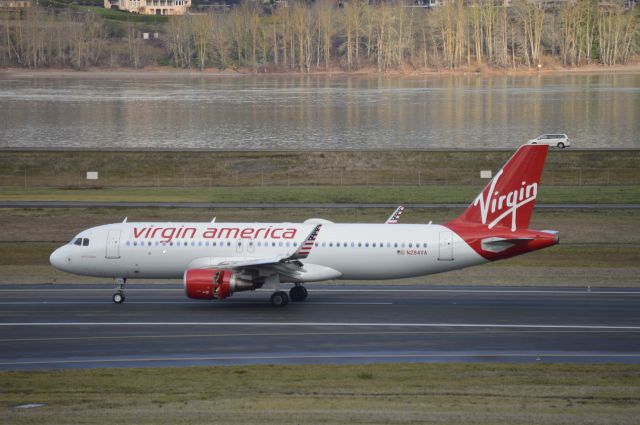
{"x": 215, "y": 260}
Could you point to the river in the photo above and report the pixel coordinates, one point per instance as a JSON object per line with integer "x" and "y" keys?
{"x": 271, "y": 112}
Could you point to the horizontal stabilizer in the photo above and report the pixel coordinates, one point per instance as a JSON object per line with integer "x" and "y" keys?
{"x": 496, "y": 244}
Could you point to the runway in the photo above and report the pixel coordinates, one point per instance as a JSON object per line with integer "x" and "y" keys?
{"x": 77, "y": 326}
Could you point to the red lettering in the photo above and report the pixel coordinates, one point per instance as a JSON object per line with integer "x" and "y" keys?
{"x": 289, "y": 234}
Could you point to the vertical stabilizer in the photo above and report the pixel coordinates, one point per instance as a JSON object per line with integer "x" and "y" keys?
{"x": 508, "y": 200}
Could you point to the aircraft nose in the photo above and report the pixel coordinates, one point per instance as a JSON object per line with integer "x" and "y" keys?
{"x": 58, "y": 259}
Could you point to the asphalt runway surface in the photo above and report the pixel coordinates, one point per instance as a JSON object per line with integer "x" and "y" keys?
{"x": 78, "y": 326}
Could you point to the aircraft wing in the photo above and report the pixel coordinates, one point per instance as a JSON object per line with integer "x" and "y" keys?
{"x": 289, "y": 263}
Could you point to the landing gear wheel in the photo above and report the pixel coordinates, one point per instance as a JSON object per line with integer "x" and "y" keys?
{"x": 279, "y": 299}
{"x": 298, "y": 293}
{"x": 118, "y": 297}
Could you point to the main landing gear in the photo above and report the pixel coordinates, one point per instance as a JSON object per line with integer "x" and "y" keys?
{"x": 297, "y": 293}
{"x": 118, "y": 297}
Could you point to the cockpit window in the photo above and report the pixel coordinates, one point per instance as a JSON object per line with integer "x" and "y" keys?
{"x": 79, "y": 241}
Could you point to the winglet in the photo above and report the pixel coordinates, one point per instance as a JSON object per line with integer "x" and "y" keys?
{"x": 305, "y": 248}
{"x": 393, "y": 218}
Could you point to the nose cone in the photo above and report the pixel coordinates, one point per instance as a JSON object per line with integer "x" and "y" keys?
{"x": 58, "y": 259}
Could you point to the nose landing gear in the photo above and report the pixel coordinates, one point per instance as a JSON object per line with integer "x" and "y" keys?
{"x": 118, "y": 297}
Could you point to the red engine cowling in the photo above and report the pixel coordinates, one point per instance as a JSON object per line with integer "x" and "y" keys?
{"x": 208, "y": 284}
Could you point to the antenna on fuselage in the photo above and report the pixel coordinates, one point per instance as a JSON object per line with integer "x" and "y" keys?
{"x": 125, "y": 219}
{"x": 214, "y": 220}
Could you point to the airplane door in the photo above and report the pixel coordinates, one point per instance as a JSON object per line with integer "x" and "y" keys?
{"x": 113, "y": 244}
{"x": 251, "y": 245}
{"x": 239, "y": 246}
{"x": 445, "y": 248}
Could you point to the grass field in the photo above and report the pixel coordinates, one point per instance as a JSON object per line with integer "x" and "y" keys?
{"x": 598, "y": 247}
{"x": 22, "y": 169}
{"x": 266, "y": 194}
{"x": 529, "y": 394}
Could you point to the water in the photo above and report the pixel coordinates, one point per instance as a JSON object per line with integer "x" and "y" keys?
{"x": 186, "y": 111}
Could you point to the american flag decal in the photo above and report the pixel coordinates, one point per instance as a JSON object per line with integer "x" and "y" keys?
{"x": 393, "y": 219}
{"x": 306, "y": 246}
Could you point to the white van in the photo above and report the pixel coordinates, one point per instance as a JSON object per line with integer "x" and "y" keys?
{"x": 559, "y": 140}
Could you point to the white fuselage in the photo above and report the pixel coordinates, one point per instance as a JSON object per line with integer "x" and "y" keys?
{"x": 341, "y": 251}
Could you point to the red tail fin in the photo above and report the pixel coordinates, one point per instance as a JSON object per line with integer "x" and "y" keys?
{"x": 508, "y": 199}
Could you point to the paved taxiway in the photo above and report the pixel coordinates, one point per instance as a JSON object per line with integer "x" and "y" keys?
{"x": 70, "y": 326}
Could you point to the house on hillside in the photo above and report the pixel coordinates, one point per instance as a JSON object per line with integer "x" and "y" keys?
{"x": 150, "y": 7}
{"x": 15, "y": 4}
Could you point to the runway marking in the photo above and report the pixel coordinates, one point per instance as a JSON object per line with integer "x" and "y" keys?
{"x": 176, "y": 302}
{"x": 533, "y": 355}
{"x": 330, "y": 324}
{"x": 289, "y": 334}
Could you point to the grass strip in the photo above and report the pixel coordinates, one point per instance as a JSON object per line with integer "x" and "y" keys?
{"x": 372, "y": 394}
{"x": 566, "y": 265}
{"x": 318, "y": 194}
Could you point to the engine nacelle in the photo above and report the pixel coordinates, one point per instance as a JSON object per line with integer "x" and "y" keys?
{"x": 209, "y": 284}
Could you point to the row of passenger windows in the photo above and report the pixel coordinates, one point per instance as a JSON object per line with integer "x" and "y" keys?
{"x": 287, "y": 244}
{"x": 80, "y": 241}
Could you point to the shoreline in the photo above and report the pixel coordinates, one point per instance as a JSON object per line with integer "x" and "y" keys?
{"x": 154, "y": 71}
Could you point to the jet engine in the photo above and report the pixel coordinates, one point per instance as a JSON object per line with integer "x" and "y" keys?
{"x": 208, "y": 284}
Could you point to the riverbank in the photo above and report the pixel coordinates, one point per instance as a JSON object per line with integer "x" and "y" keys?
{"x": 168, "y": 71}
